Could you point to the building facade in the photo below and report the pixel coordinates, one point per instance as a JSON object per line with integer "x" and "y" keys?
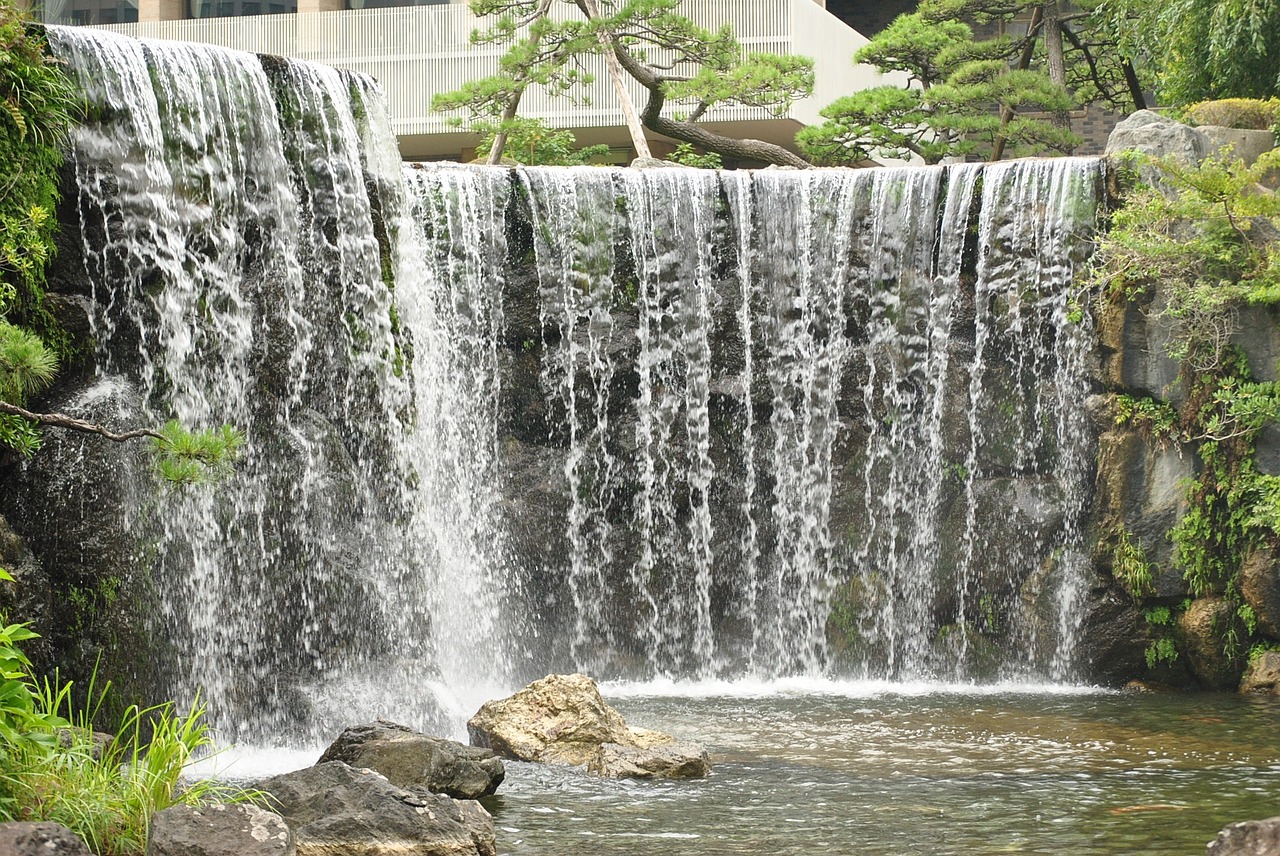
{"x": 416, "y": 51}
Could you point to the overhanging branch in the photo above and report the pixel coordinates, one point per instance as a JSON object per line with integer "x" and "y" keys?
{"x": 70, "y": 423}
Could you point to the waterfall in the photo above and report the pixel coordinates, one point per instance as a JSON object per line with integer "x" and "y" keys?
{"x": 830, "y": 408}
{"x": 259, "y": 260}
{"x": 636, "y": 422}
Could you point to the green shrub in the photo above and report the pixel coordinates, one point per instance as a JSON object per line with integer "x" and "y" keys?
{"x": 1250, "y": 114}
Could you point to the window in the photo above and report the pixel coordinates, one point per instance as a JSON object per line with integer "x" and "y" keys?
{"x": 238, "y": 8}
{"x": 88, "y": 11}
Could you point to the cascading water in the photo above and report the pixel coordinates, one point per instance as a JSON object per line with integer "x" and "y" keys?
{"x": 800, "y": 407}
{"x": 642, "y": 423}
{"x": 243, "y": 219}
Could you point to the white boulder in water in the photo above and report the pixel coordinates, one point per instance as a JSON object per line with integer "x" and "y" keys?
{"x": 562, "y": 719}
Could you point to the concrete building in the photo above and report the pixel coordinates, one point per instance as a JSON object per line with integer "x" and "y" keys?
{"x": 418, "y": 50}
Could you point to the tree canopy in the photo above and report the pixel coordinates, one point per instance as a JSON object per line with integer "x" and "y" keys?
{"x": 677, "y": 62}
{"x": 964, "y": 95}
{"x": 1197, "y": 50}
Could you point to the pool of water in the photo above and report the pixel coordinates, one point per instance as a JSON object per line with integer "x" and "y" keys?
{"x": 866, "y": 769}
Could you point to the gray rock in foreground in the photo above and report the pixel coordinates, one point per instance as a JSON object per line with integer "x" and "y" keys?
{"x": 408, "y": 758}
{"x": 219, "y": 830}
{"x": 1249, "y": 838}
{"x": 335, "y": 810}
{"x": 563, "y": 719}
{"x": 40, "y": 839}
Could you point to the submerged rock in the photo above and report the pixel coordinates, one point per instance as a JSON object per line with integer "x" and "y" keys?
{"x": 562, "y": 719}
{"x": 408, "y": 758}
{"x": 674, "y": 759}
{"x": 1248, "y": 838}
{"x": 335, "y": 809}
{"x": 219, "y": 830}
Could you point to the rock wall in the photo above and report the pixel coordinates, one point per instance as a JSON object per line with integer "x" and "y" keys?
{"x": 1144, "y": 619}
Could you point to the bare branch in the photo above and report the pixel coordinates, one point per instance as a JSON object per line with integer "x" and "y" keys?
{"x": 61, "y": 420}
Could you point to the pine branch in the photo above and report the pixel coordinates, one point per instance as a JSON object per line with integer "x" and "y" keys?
{"x": 61, "y": 420}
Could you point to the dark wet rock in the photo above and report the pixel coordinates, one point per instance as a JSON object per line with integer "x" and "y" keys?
{"x": 1140, "y": 493}
{"x": 563, "y": 719}
{"x": 1133, "y": 340}
{"x": 1202, "y": 627}
{"x": 333, "y": 808}
{"x": 1262, "y": 676}
{"x": 40, "y": 839}
{"x": 1260, "y": 587}
{"x": 219, "y": 830}
{"x": 1113, "y": 642}
{"x": 1248, "y": 838}
{"x": 408, "y": 758}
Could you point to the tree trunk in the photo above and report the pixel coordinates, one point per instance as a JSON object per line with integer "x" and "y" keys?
{"x": 1055, "y": 56}
{"x": 1024, "y": 62}
{"x": 513, "y": 106}
{"x": 688, "y": 132}
{"x": 1135, "y": 87}
{"x": 641, "y": 145}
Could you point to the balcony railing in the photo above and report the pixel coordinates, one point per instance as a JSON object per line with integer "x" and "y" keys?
{"x": 416, "y": 52}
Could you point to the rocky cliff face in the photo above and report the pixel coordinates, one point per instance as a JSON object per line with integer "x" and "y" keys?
{"x": 1145, "y": 618}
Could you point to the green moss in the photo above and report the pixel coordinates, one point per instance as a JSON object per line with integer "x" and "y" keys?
{"x": 1200, "y": 244}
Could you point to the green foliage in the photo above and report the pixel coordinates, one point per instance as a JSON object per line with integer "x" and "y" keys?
{"x": 106, "y": 794}
{"x": 187, "y": 457}
{"x": 1260, "y": 648}
{"x": 27, "y": 367}
{"x": 700, "y": 68}
{"x": 39, "y": 105}
{"x": 53, "y": 769}
{"x": 1205, "y": 49}
{"x": 964, "y": 97}
{"x": 1245, "y": 113}
{"x": 532, "y": 142}
{"x": 1200, "y": 242}
{"x": 1129, "y": 565}
{"x": 689, "y": 156}
{"x": 1156, "y": 419}
{"x": 1161, "y": 650}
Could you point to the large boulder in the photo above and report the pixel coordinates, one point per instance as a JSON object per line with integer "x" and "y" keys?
{"x": 1260, "y": 587}
{"x": 562, "y": 719}
{"x": 1151, "y": 133}
{"x": 1246, "y": 145}
{"x": 1262, "y": 675}
{"x": 1248, "y": 838}
{"x": 336, "y": 810}
{"x": 40, "y": 839}
{"x": 1202, "y": 627}
{"x": 219, "y": 830}
{"x": 408, "y": 758}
